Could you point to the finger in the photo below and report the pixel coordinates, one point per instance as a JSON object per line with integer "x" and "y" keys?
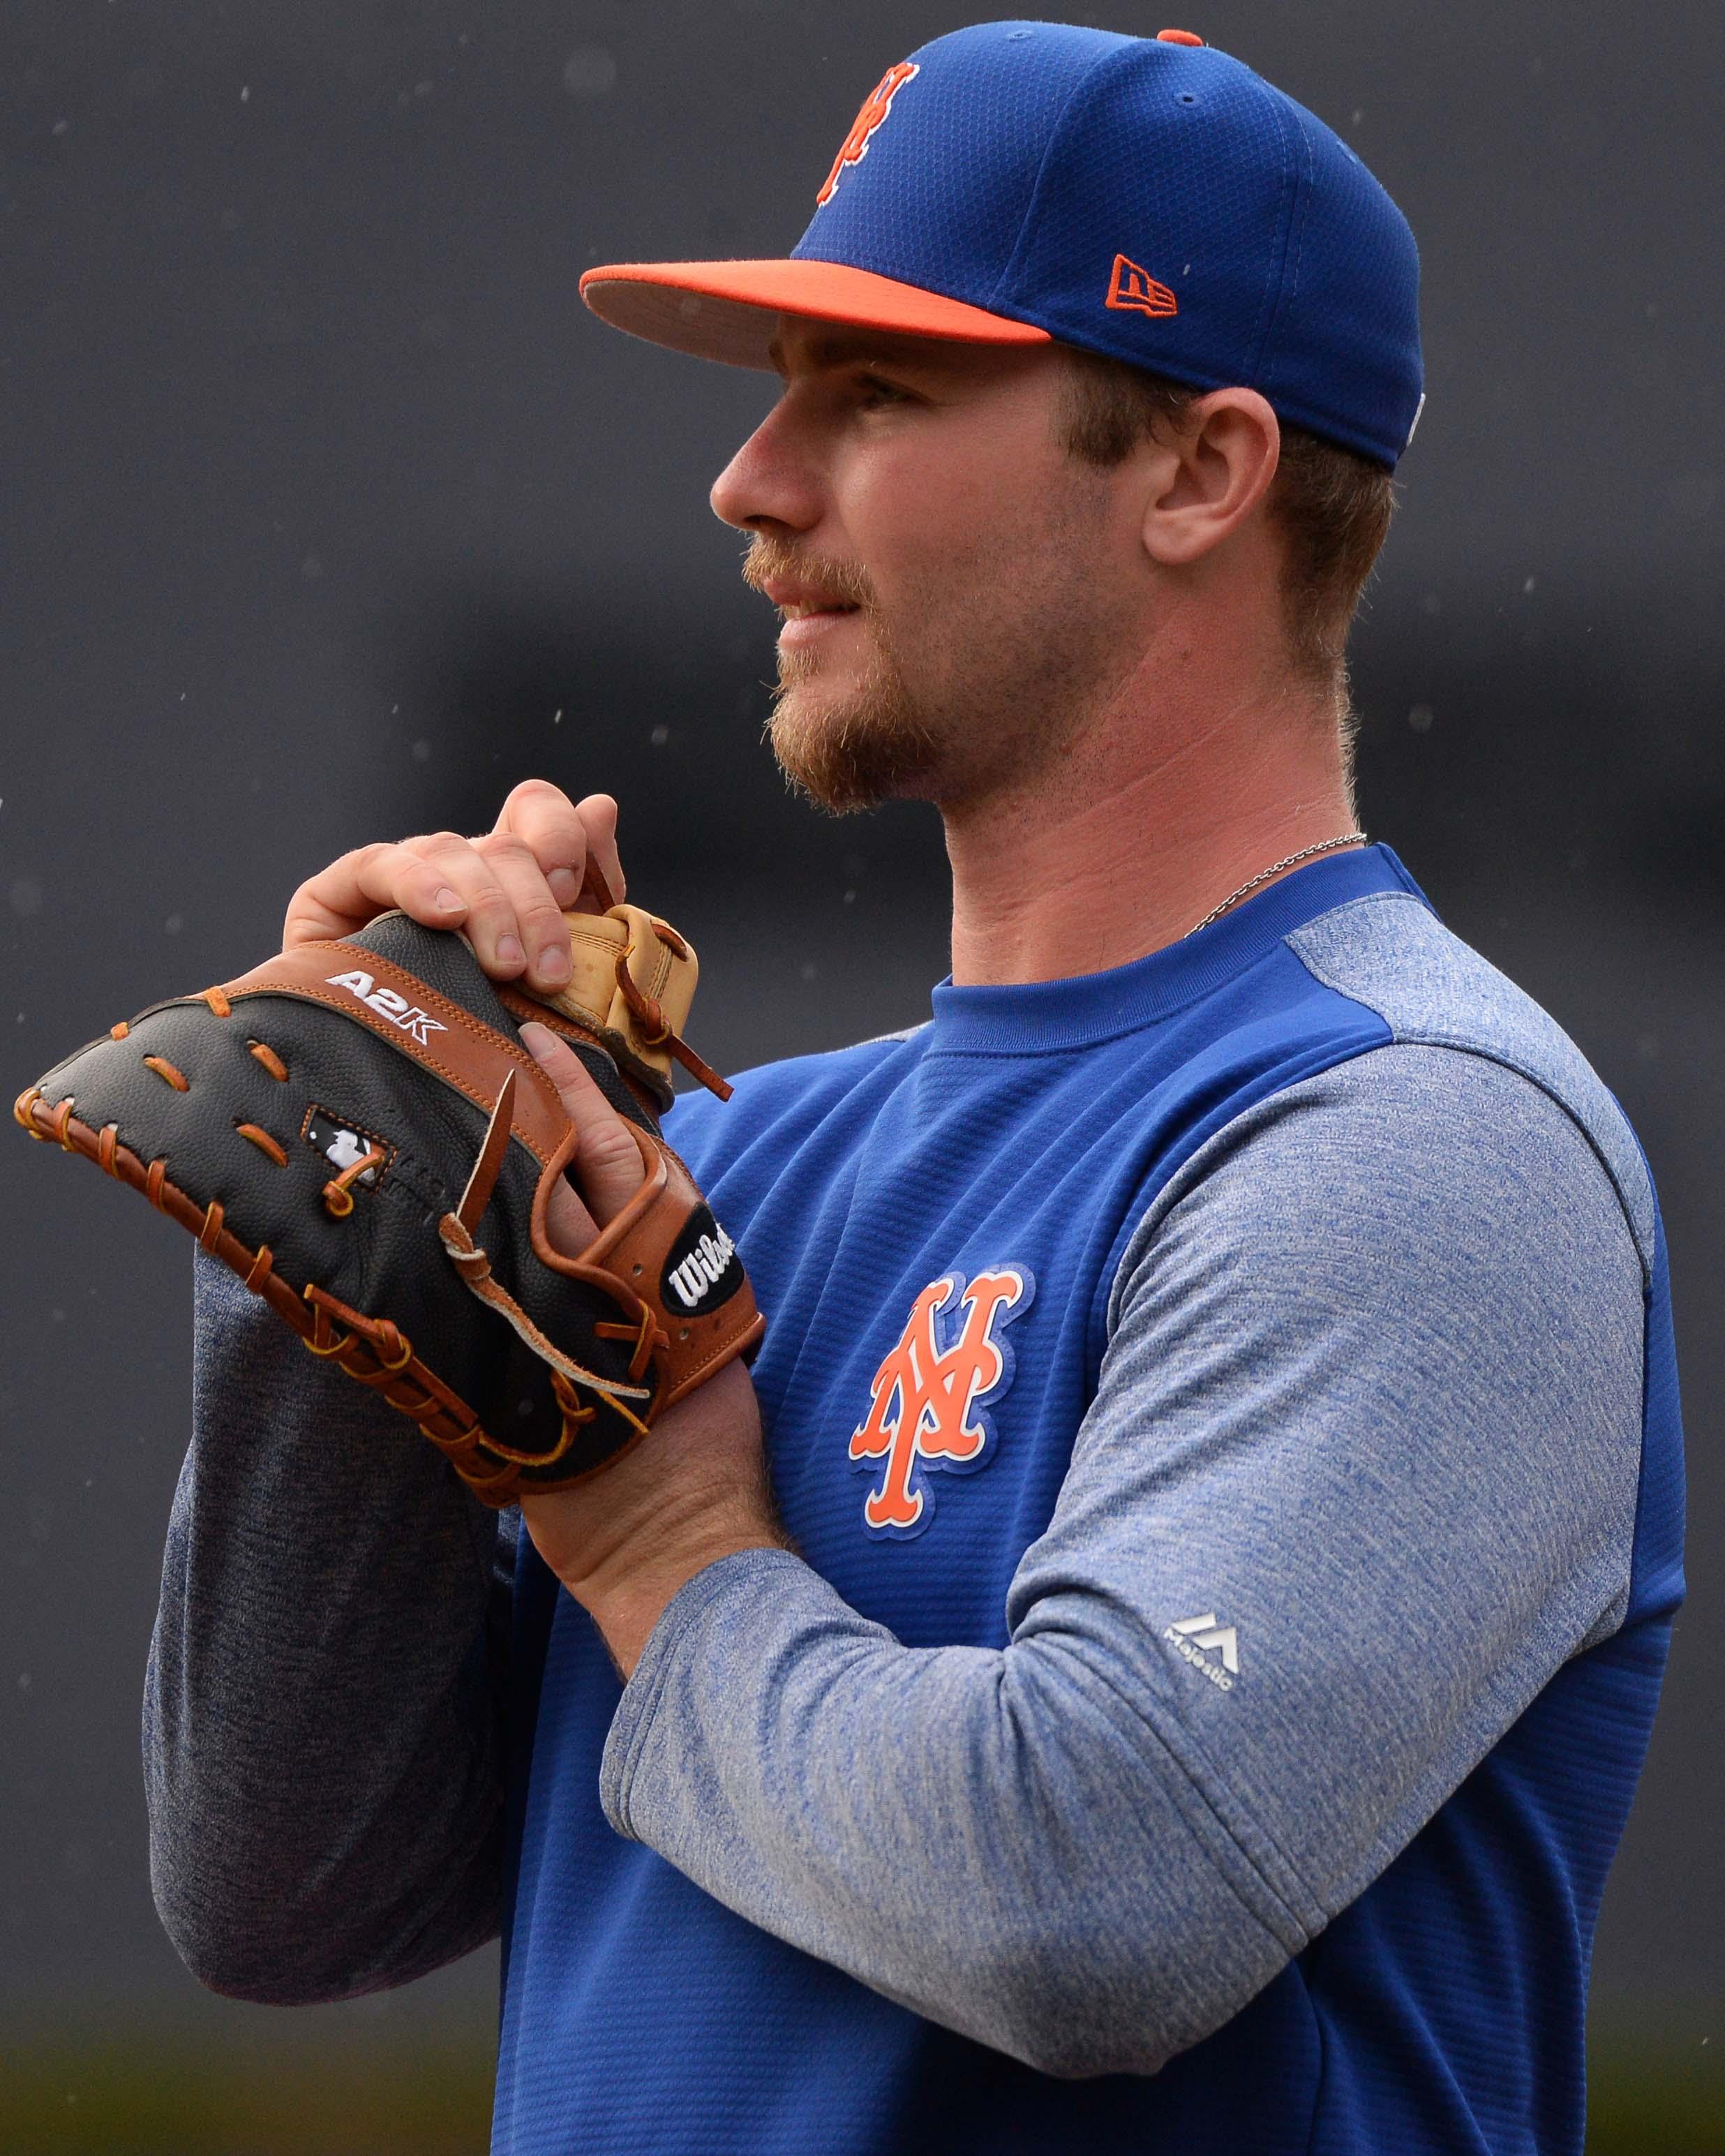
{"x": 598, "y": 817}
{"x": 547, "y": 821}
{"x": 608, "y": 1161}
{"x": 361, "y": 884}
{"x": 568, "y": 1222}
{"x": 539, "y": 920}
{"x": 489, "y": 924}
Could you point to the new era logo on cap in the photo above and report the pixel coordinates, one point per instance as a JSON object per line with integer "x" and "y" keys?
{"x": 1134, "y": 287}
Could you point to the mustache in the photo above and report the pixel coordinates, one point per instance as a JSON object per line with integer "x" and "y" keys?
{"x": 771, "y": 560}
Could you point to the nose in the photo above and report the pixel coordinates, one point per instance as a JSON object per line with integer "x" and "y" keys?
{"x": 772, "y": 484}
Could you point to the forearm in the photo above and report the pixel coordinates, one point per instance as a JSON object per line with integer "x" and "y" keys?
{"x": 1396, "y": 1450}
{"x": 995, "y": 1839}
{"x": 322, "y": 1748}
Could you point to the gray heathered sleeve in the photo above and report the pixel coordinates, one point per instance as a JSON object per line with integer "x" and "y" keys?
{"x": 1368, "y": 1429}
{"x": 322, "y": 1738}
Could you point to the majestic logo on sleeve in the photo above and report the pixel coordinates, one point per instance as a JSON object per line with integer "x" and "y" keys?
{"x": 1196, "y": 1639}
{"x": 876, "y": 107}
{"x": 929, "y": 1395}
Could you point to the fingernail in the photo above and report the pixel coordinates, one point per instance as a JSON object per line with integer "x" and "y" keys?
{"x": 509, "y": 951}
{"x": 539, "y": 1040}
{"x": 554, "y": 962}
{"x": 565, "y": 886}
{"x": 446, "y": 902}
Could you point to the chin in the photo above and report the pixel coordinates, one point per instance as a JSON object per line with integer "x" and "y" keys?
{"x": 850, "y": 750}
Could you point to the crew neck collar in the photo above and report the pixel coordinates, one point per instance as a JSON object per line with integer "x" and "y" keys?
{"x": 1038, "y": 1016}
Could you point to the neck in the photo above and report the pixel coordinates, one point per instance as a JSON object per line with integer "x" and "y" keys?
{"x": 1126, "y": 840}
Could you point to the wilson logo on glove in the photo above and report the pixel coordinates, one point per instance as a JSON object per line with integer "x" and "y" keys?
{"x": 701, "y": 1269}
{"x": 388, "y": 1005}
{"x": 929, "y": 1391}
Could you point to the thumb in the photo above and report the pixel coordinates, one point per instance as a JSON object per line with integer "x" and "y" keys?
{"x": 607, "y": 1162}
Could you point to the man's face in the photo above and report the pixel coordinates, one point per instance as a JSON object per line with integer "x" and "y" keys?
{"x": 954, "y": 581}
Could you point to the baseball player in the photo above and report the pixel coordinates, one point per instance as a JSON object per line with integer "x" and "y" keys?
{"x": 1156, "y": 1651}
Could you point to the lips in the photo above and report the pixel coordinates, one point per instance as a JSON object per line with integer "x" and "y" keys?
{"x": 802, "y": 602}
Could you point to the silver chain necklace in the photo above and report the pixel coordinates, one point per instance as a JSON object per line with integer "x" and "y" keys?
{"x": 1276, "y": 867}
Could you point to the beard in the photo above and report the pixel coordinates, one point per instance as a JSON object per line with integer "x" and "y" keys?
{"x": 1002, "y": 678}
{"x": 851, "y": 752}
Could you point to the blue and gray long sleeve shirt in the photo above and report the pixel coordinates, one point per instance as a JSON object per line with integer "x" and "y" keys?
{"x": 1224, "y": 1411}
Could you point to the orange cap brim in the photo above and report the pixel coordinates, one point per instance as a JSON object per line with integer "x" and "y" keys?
{"x": 729, "y": 310}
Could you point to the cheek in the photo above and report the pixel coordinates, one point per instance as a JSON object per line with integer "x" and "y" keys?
{"x": 932, "y": 527}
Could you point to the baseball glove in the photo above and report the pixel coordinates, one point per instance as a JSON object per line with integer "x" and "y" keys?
{"x": 357, "y": 1129}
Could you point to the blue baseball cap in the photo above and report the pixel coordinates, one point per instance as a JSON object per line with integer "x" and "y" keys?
{"x": 1149, "y": 198}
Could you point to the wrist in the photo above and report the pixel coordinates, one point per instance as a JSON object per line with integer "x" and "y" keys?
{"x": 627, "y": 1598}
{"x": 694, "y": 1490}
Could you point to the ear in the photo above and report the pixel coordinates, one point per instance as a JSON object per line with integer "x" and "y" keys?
{"x": 1211, "y": 475}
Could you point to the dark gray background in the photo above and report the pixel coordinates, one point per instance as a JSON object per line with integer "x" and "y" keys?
{"x": 331, "y": 514}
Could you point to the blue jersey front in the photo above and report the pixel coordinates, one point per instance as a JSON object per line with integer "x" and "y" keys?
{"x": 934, "y": 1224}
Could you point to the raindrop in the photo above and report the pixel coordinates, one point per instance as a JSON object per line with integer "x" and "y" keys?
{"x": 659, "y": 735}
{"x": 421, "y": 749}
{"x": 173, "y": 924}
{"x": 1529, "y": 585}
{"x": 589, "y": 72}
{"x": 1420, "y": 718}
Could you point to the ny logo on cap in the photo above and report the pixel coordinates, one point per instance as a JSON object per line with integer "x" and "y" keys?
{"x": 1135, "y": 288}
{"x": 876, "y": 107}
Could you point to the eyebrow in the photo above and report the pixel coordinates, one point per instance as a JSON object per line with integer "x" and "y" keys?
{"x": 831, "y": 352}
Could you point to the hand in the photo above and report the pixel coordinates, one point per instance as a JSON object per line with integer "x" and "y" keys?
{"x": 506, "y": 890}
{"x": 696, "y": 1488}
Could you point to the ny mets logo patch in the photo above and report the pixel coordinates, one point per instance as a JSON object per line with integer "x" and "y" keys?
{"x": 929, "y": 1394}
{"x": 876, "y": 107}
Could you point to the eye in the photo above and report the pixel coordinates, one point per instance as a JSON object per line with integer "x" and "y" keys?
{"x": 874, "y": 389}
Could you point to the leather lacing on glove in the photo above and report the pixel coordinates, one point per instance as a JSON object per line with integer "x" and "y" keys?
{"x": 376, "y": 1351}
